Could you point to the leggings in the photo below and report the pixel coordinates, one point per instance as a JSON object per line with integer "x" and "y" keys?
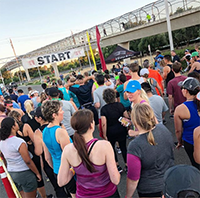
{"x": 36, "y": 160}
{"x": 60, "y": 191}
{"x": 189, "y": 148}
{"x": 122, "y": 146}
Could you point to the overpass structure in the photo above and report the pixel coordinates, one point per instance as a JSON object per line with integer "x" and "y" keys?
{"x": 122, "y": 29}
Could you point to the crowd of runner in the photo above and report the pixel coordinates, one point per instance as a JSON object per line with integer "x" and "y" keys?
{"x": 51, "y": 132}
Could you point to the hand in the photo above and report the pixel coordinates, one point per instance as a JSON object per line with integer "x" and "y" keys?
{"x": 179, "y": 145}
{"x": 133, "y": 133}
{"x": 105, "y": 137}
{"x": 125, "y": 122}
{"x": 39, "y": 177}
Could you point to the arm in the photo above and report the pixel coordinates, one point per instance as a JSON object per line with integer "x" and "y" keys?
{"x": 125, "y": 114}
{"x": 64, "y": 174}
{"x": 38, "y": 142}
{"x": 171, "y": 103}
{"x": 133, "y": 176}
{"x": 96, "y": 100}
{"x": 104, "y": 126}
{"x": 28, "y": 130}
{"x": 125, "y": 96}
{"x": 197, "y": 145}
{"x": 47, "y": 156}
{"x": 26, "y": 157}
{"x": 131, "y": 186}
{"x": 111, "y": 164}
{"x": 193, "y": 66}
{"x": 166, "y": 70}
{"x": 73, "y": 104}
{"x": 178, "y": 125}
{"x": 97, "y": 105}
{"x": 159, "y": 89}
{"x": 62, "y": 137}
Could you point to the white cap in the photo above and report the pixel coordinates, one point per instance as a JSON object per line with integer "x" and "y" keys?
{"x": 144, "y": 71}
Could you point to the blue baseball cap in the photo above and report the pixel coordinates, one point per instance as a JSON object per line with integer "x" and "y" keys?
{"x": 133, "y": 86}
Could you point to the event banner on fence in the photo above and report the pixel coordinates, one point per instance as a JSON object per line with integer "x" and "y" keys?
{"x": 52, "y": 58}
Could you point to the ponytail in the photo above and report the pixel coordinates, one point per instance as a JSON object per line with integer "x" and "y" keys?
{"x": 150, "y": 138}
{"x": 79, "y": 144}
{"x": 143, "y": 115}
{"x": 144, "y": 96}
{"x": 81, "y": 122}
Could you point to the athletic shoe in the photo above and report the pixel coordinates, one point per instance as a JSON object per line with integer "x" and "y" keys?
{"x": 164, "y": 122}
{"x": 119, "y": 169}
{"x": 50, "y": 196}
{"x": 118, "y": 150}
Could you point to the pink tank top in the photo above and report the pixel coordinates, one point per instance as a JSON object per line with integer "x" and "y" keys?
{"x": 96, "y": 184}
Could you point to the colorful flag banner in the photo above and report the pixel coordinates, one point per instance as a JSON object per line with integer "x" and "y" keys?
{"x": 93, "y": 59}
{"x": 103, "y": 64}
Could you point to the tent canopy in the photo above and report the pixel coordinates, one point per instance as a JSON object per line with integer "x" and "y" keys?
{"x": 120, "y": 53}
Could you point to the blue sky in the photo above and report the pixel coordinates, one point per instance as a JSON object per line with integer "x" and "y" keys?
{"x": 34, "y": 23}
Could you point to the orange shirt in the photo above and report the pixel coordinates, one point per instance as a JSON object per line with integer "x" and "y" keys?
{"x": 156, "y": 75}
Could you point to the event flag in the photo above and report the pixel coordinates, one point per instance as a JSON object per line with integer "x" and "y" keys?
{"x": 103, "y": 64}
{"x": 93, "y": 59}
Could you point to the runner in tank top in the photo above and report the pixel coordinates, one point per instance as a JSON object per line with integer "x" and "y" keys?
{"x": 90, "y": 159}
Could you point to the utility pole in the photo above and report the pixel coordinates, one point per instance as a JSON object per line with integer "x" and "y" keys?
{"x": 169, "y": 26}
{"x": 20, "y": 79}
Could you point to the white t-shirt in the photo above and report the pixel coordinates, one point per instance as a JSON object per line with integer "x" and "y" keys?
{"x": 9, "y": 148}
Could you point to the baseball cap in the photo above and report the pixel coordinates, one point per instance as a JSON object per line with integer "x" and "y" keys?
{"x": 189, "y": 83}
{"x": 133, "y": 86}
{"x": 144, "y": 71}
{"x": 195, "y": 54}
{"x": 53, "y": 92}
{"x": 187, "y": 50}
{"x": 32, "y": 92}
{"x": 126, "y": 70}
{"x": 158, "y": 51}
{"x": 182, "y": 179}
{"x": 38, "y": 112}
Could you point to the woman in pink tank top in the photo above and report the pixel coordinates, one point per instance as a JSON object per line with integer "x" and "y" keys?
{"x": 92, "y": 160}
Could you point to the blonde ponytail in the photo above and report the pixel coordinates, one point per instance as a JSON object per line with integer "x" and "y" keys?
{"x": 150, "y": 138}
{"x": 143, "y": 116}
{"x": 144, "y": 96}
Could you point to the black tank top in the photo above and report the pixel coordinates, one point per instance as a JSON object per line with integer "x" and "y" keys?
{"x": 170, "y": 75}
{"x": 25, "y": 138}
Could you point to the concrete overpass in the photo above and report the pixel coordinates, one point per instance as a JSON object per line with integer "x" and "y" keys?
{"x": 130, "y": 26}
{"x": 186, "y": 19}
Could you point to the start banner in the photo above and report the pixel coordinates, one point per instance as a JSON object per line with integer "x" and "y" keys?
{"x": 52, "y": 58}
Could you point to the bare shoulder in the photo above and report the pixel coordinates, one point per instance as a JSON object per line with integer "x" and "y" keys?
{"x": 166, "y": 69}
{"x": 181, "y": 111}
{"x": 61, "y": 132}
{"x": 69, "y": 149}
{"x": 104, "y": 144}
{"x": 180, "y": 107}
{"x": 38, "y": 132}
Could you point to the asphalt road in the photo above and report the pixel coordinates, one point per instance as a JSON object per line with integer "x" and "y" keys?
{"x": 180, "y": 156}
